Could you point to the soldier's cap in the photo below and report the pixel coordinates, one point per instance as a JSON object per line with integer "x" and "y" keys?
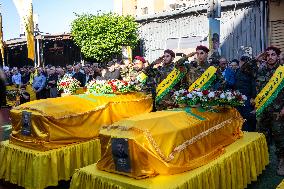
{"x": 170, "y": 52}
{"x": 140, "y": 58}
{"x": 277, "y": 50}
{"x": 203, "y": 48}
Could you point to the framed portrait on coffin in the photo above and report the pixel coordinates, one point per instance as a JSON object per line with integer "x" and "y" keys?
{"x": 26, "y": 123}
{"x": 120, "y": 154}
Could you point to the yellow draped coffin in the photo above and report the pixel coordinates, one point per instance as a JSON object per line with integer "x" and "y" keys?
{"x": 56, "y": 122}
{"x": 167, "y": 142}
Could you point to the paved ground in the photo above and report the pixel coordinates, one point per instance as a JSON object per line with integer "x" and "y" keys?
{"x": 267, "y": 180}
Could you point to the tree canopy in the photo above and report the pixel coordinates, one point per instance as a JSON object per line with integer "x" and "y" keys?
{"x": 102, "y": 36}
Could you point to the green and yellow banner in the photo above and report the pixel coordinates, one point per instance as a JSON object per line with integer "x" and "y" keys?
{"x": 142, "y": 77}
{"x": 270, "y": 91}
{"x": 168, "y": 83}
{"x": 205, "y": 80}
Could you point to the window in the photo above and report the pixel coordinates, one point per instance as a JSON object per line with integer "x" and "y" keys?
{"x": 145, "y": 10}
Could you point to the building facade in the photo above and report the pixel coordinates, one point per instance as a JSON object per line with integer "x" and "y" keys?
{"x": 139, "y": 8}
{"x": 56, "y": 50}
{"x": 243, "y": 29}
{"x": 276, "y": 24}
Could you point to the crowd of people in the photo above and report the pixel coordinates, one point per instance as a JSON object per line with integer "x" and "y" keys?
{"x": 249, "y": 75}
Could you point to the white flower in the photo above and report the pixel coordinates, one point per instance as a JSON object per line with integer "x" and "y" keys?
{"x": 222, "y": 96}
{"x": 176, "y": 93}
{"x": 199, "y": 94}
{"x": 189, "y": 95}
{"x": 228, "y": 93}
{"x": 244, "y": 97}
{"x": 211, "y": 95}
{"x": 182, "y": 91}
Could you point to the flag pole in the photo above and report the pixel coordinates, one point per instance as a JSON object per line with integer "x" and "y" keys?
{"x": 1, "y": 41}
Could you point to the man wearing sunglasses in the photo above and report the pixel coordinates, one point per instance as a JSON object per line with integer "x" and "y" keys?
{"x": 271, "y": 121}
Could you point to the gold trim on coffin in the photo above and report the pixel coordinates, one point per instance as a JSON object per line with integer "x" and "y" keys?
{"x": 72, "y": 121}
{"x": 78, "y": 114}
{"x": 185, "y": 144}
{"x": 63, "y": 117}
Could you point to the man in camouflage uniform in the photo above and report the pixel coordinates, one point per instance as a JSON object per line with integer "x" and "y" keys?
{"x": 271, "y": 121}
{"x": 138, "y": 74}
{"x": 197, "y": 68}
{"x": 156, "y": 74}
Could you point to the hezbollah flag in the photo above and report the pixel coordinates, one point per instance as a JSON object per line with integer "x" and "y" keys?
{"x": 1, "y": 41}
{"x": 25, "y": 10}
{"x": 270, "y": 91}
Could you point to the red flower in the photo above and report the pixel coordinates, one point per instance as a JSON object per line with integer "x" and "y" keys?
{"x": 239, "y": 97}
{"x": 205, "y": 92}
{"x": 113, "y": 88}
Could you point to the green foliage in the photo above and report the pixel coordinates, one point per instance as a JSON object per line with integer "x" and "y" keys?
{"x": 102, "y": 36}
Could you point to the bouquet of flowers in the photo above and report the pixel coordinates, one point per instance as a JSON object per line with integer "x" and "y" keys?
{"x": 208, "y": 99}
{"x": 110, "y": 86}
{"x": 12, "y": 94}
{"x": 68, "y": 84}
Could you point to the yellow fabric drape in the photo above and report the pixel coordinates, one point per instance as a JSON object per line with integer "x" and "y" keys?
{"x": 242, "y": 162}
{"x": 9, "y": 101}
{"x": 33, "y": 169}
{"x": 56, "y": 122}
{"x": 171, "y": 142}
{"x": 30, "y": 90}
{"x": 281, "y": 185}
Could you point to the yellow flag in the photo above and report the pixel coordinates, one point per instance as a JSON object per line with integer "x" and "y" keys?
{"x": 25, "y": 10}
{"x": 29, "y": 25}
{"x": 205, "y": 80}
{"x": 270, "y": 91}
{"x": 1, "y": 41}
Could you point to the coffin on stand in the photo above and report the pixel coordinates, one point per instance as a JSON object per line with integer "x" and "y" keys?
{"x": 51, "y": 123}
{"x": 167, "y": 142}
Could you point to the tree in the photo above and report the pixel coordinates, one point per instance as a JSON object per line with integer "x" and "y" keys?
{"x": 102, "y": 36}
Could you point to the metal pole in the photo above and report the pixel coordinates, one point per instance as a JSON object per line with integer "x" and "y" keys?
{"x": 1, "y": 38}
{"x": 38, "y": 55}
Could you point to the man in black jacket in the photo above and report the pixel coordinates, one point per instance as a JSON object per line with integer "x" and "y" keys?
{"x": 79, "y": 76}
{"x": 110, "y": 73}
